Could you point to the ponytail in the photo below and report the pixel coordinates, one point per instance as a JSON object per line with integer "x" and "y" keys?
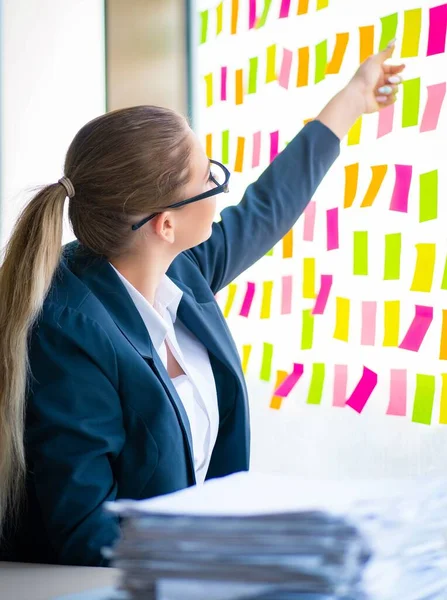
{"x": 31, "y": 258}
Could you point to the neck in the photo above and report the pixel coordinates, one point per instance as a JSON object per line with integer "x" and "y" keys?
{"x": 143, "y": 272}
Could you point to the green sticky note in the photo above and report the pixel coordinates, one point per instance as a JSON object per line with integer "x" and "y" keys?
{"x": 444, "y": 277}
{"x": 266, "y": 365}
{"x": 265, "y": 13}
{"x": 307, "y": 332}
{"x": 253, "y": 75}
{"x": 389, "y": 29}
{"x": 270, "y": 252}
{"x": 428, "y": 196}
{"x": 411, "y": 102}
{"x": 393, "y": 248}
{"x": 320, "y": 61}
{"x": 360, "y": 253}
{"x": 316, "y": 384}
{"x": 203, "y": 26}
{"x": 423, "y": 399}
{"x": 226, "y": 147}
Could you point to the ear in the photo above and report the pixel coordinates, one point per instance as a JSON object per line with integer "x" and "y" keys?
{"x": 163, "y": 227}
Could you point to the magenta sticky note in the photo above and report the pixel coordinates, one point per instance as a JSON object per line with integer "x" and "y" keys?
{"x": 248, "y": 299}
{"x": 363, "y": 390}
{"x": 418, "y": 329}
{"x": 399, "y": 199}
{"x": 323, "y": 294}
{"x": 290, "y": 381}
{"x": 437, "y": 30}
{"x": 332, "y": 228}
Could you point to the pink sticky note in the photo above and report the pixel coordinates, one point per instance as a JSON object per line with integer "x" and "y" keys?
{"x": 248, "y": 299}
{"x": 309, "y": 222}
{"x": 256, "y": 149}
{"x": 340, "y": 384}
{"x": 323, "y": 294}
{"x": 418, "y": 328}
{"x": 369, "y": 312}
{"x": 290, "y": 381}
{"x": 436, "y": 95}
{"x": 274, "y": 141}
{"x": 399, "y": 200}
{"x": 398, "y": 393}
{"x": 284, "y": 10}
{"x": 332, "y": 228}
{"x": 437, "y": 30}
{"x": 286, "y": 300}
{"x": 223, "y": 83}
{"x": 386, "y": 121}
{"x": 252, "y": 14}
{"x": 286, "y": 65}
{"x": 363, "y": 390}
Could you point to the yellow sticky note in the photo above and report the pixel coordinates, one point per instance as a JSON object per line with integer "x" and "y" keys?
{"x": 424, "y": 269}
{"x": 230, "y": 299}
{"x": 391, "y": 323}
{"x": 267, "y": 289}
{"x": 443, "y": 407}
{"x": 246, "y": 351}
{"x": 309, "y": 278}
{"x": 355, "y": 133}
{"x": 209, "y": 89}
{"x": 343, "y": 306}
{"x": 271, "y": 64}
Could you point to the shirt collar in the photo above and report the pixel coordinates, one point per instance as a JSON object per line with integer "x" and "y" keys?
{"x": 167, "y": 299}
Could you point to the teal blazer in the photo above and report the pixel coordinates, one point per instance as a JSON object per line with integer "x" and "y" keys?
{"x": 103, "y": 419}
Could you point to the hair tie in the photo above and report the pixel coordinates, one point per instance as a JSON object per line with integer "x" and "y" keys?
{"x": 66, "y": 183}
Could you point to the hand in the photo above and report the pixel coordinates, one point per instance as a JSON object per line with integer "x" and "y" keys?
{"x": 375, "y": 82}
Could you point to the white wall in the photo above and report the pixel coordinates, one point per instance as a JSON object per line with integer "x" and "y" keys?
{"x": 52, "y": 82}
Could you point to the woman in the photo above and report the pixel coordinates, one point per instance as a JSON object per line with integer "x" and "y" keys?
{"x": 133, "y": 384}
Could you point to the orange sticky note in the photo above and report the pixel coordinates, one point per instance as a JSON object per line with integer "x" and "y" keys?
{"x": 366, "y": 42}
{"x": 303, "y": 67}
{"x": 276, "y": 401}
{"x": 209, "y": 145}
{"x": 303, "y": 7}
{"x": 341, "y": 43}
{"x": 239, "y": 86}
{"x": 351, "y": 183}
{"x": 239, "y": 162}
{"x": 378, "y": 175}
{"x": 443, "y": 345}
{"x": 287, "y": 245}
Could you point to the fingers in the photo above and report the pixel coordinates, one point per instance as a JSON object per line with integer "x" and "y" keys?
{"x": 387, "y": 53}
{"x": 393, "y": 69}
{"x": 386, "y": 94}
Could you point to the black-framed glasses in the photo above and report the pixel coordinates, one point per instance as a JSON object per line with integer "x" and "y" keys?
{"x": 220, "y": 177}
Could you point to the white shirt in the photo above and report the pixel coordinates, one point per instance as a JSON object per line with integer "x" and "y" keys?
{"x": 196, "y": 388}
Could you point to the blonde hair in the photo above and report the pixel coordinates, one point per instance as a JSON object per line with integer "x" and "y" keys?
{"x": 122, "y": 165}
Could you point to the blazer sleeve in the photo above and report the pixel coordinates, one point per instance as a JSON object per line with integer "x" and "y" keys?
{"x": 269, "y": 208}
{"x": 74, "y": 431}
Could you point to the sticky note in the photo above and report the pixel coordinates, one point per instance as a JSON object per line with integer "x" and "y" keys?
{"x": 270, "y": 252}
{"x": 411, "y": 102}
{"x": 286, "y": 296}
{"x": 332, "y": 229}
{"x": 248, "y": 299}
{"x": 303, "y": 67}
{"x": 443, "y": 404}
{"x": 322, "y": 4}
{"x": 412, "y": 33}
{"x": 266, "y": 364}
{"x": 355, "y": 133}
{"x": 287, "y": 245}
{"x": 234, "y": 16}
{"x": 309, "y": 221}
{"x": 274, "y": 143}
{"x": 340, "y": 385}
{"x": 444, "y": 278}
{"x": 443, "y": 344}
{"x": 363, "y": 390}
{"x": 239, "y": 162}
{"x": 391, "y": 323}
{"x": 252, "y": 75}
{"x": 239, "y": 75}
{"x": 393, "y": 249}
{"x": 397, "y": 405}
{"x": 285, "y": 9}
{"x": 377, "y": 177}
{"x": 424, "y": 269}
{"x": 225, "y": 147}
{"x": 203, "y": 26}
{"x": 303, "y": 7}
{"x": 315, "y": 392}
{"x": 342, "y": 319}
{"x": 432, "y": 111}
{"x": 423, "y": 399}
{"x": 309, "y": 278}
{"x": 320, "y": 61}
{"x": 256, "y": 149}
{"x": 267, "y": 290}
{"x": 232, "y": 288}
{"x": 271, "y": 64}
{"x": 369, "y": 315}
{"x": 209, "y": 89}
{"x": 360, "y": 253}
{"x": 290, "y": 381}
{"x": 386, "y": 121}
{"x": 286, "y": 66}
{"x": 437, "y": 30}
{"x": 351, "y": 183}
{"x": 399, "y": 199}
{"x": 307, "y": 331}
{"x": 219, "y": 18}
{"x": 366, "y": 42}
{"x": 276, "y": 401}
{"x": 209, "y": 145}
{"x": 223, "y": 83}
{"x": 416, "y": 333}
{"x": 246, "y": 351}
{"x": 389, "y": 30}
{"x": 251, "y": 14}
{"x": 341, "y": 43}
{"x": 323, "y": 295}
{"x": 263, "y": 18}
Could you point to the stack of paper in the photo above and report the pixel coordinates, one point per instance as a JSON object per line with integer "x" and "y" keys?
{"x": 273, "y": 537}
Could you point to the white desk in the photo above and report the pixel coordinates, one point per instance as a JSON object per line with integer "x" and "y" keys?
{"x": 19, "y": 581}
